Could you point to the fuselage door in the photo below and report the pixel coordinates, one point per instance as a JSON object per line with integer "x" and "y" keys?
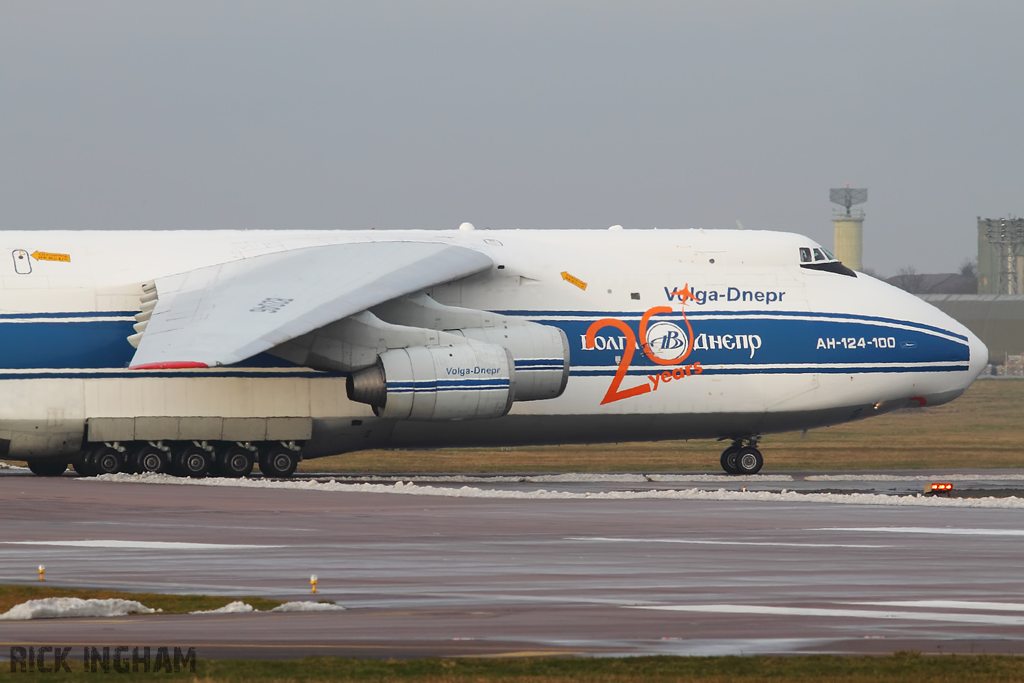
{"x": 22, "y": 262}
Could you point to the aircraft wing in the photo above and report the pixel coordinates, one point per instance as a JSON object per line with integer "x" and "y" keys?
{"x": 226, "y": 313}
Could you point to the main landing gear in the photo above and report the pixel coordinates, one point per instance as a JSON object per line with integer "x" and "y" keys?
{"x": 194, "y": 459}
{"x": 740, "y": 459}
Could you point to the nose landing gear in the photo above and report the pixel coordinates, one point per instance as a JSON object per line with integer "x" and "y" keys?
{"x": 740, "y": 459}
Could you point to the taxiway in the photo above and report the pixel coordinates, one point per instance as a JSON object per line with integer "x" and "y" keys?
{"x": 432, "y": 575}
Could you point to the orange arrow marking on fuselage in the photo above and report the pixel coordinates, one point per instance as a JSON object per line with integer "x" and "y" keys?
{"x": 47, "y": 256}
{"x": 573, "y": 280}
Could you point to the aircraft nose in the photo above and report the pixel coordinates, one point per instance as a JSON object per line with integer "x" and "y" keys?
{"x": 979, "y": 355}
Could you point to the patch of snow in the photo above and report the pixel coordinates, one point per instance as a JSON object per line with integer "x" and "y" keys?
{"x": 8, "y": 466}
{"x": 236, "y": 607}
{"x": 700, "y": 478}
{"x": 56, "y": 608}
{"x": 408, "y": 488}
{"x": 916, "y": 477}
{"x": 570, "y": 478}
{"x": 308, "y": 607}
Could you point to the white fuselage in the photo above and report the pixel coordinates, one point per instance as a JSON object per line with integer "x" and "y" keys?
{"x": 771, "y": 345}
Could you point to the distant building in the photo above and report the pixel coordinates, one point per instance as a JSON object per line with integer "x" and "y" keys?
{"x": 997, "y": 319}
{"x": 935, "y": 283}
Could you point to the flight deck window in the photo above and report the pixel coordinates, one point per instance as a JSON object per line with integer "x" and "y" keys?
{"x": 805, "y": 255}
{"x": 828, "y": 254}
{"x": 818, "y": 256}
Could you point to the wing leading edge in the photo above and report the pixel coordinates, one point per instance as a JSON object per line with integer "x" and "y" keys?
{"x": 226, "y": 313}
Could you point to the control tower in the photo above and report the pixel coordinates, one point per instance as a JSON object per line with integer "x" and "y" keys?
{"x": 849, "y": 225}
{"x": 1000, "y": 255}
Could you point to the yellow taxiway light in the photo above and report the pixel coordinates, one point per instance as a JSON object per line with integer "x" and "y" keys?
{"x": 312, "y": 583}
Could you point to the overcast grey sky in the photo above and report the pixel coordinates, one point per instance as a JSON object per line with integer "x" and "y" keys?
{"x": 529, "y": 114}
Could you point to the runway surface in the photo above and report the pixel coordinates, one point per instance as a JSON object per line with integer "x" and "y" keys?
{"x": 439, "y": 575}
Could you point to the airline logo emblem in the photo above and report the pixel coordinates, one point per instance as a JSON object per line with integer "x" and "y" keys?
{"x": 666, "y": 340}
{"x": 663, "y": 342}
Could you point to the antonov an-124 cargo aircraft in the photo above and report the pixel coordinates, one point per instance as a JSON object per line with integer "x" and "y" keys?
{"x": 208, "y": 352}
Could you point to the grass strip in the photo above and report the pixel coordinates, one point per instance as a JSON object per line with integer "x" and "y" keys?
{"x": 11, "y": 595}
{"x": 902, "y": 666}
{"x": 982, "y": 429}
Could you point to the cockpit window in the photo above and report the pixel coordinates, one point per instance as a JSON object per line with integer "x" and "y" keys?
{"x": 822, "y": 260}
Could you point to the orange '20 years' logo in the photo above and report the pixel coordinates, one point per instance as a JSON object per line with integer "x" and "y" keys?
{"x": 672, "y": 351}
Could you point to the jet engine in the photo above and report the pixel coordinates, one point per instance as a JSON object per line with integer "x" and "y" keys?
{"x": 540, "y": 353}
{"x": 465, "y": 381}
{"x": 415, "y": 359}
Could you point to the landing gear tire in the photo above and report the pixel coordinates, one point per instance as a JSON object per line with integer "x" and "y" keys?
{"x": 149, "y": 460}
{"x": 235, "y": 463}
{"x": 47, "y": 469}
{"x": 83, "y": 469}
{"x": 729, "y": 459}
{"x": 106, "y": 460}
{"x": 278, "y": 462}
{"x": 749, "y": 461}
{"x": 193, "y": 461}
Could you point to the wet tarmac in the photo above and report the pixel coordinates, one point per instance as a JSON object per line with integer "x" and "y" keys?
{"x": 443, "y": 576}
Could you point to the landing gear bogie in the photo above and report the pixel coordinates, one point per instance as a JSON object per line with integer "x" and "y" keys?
{"x": 193, "y": 461}
{"x": 234, "y": 462}
{"x": 47, "y": 468}
{"x": 728, "y": 459}
{"x": 149, "y": 459}
{"x": 749, "y": 461}
{"x": 83, "y": 469}
{"x": 740, "y": 459}
{"x": 278, "y": 460}
{"x": 101, "y": 459}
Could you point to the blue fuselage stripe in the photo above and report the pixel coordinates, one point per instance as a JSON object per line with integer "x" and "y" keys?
{"x": 94, "y": 345}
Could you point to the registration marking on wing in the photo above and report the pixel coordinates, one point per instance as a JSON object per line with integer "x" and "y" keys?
{"x": 270, "y": 305}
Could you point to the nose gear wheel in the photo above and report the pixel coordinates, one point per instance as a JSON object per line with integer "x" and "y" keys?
{"x": 740, "y": 459}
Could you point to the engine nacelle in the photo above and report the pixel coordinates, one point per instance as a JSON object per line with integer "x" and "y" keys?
{"x": 463, "y": 382}
{"x": 540, "y": 352}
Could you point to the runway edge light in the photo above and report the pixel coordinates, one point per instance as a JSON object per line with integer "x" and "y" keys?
{"x": 312, "y": 583}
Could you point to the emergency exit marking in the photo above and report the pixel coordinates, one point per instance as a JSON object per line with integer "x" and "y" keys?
{"x": 47, "y": 256}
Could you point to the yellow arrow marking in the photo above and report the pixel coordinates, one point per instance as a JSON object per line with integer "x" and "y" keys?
{"x": 574, "y": 280}
{"x": 47, "y": 256}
